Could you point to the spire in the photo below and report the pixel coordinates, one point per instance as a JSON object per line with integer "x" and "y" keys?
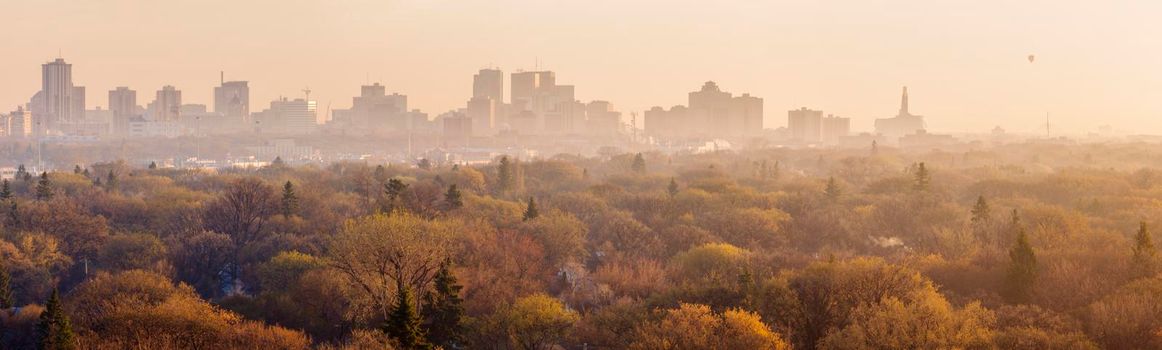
{"x": 904, "y": 102}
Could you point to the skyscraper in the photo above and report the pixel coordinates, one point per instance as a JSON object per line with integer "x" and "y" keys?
{"x": 167, "y": 105}
{"x": 57, "y": 96}
{"x": 232, "y": 100}
{"x": 527, "y": 85}
{"x": 123, "y": 106}
{"x": 805, "y": 125}
{"x": 489, "y": 83}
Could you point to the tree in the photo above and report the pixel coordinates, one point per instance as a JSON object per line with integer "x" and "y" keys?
{"x": 5, "y": 191}
{"x": 981, "y": 212}
{"x": 445, "y": 309}
{"x": 534, "y": 322}
{"x": 1022, "y": 270}
{"x": 927, "y": 322}
{"x": 394, "y": 189}
{"x": 531, "y": 210}
{"x": 424, "y": 164}
{"x": 111, "y": 181}
{"x": 404, "y": 322}
{"x": 453, "y": 199}
{"x": 43, "y": 187}
{"x": 6, "y": 297}
{"x": 277, "y": 162}
{"x": 833, "y": 191}
{"x": 695, "y": 326}
{"x": 922, "y": 178}
{"x": 77, "y": 169}
{"x": 290, "y": 201}
{"x": 505, "y": 175}
{"x": 672, "y": 189}
{"x": 21, "y": 172}
{"x": 55, "y": 330}
{"x": 639, "y": 164}
{"x": 1143, "y": 262}
{"x": 152, "y": 165}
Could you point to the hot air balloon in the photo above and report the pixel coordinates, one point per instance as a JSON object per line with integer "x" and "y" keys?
{"x": 1031, "y": 58}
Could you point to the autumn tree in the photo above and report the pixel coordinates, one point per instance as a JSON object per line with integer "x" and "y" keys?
{"x": 832, "y": 191}
{"x": 43, "y": 188}
{"x": 241, "y": 212}
{"x": 445, "y": 309}
{"x": 55, "y": 330}
{"x": 290, "y": 200}
{"x": 694, "y": 326}
{"x": 926, "y": 322}
{"x": 534, "y": 322}
{"x": 1144, "y": 258}
{"x": 395, "y": 190}
{"x": 111, "y": 181}
{"x": 6, "y": 298}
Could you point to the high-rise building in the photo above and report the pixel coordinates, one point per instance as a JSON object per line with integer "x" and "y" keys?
{"x": 167, "y": 105}
{"x": 746, "y": 115}
{"x": 805, "y": 125}
{"x": 526, "y": 86}
{"x": 834, "y": 128}
{"x": 17, "y": 124}
{"x": 58, "y": 101}
{"x": 123, "y": 105}
{"x": 904, "y": 123}
{"x": 483, "y": 111}
{"x": 293, "y": 117}
{"x": 232, "y": 101}
{"x": 711, "y": 113}
{"x": 602, "y": 119}
{"x": 489, "y": 83}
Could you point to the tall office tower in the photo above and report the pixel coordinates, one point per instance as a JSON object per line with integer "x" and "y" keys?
{"x": 527, "y": 85}
{"x": 805, "y": 124}
{"x": 232, "y": 101}
{"x": 123, "y": 105}
{"x": 483, "y": 112}
{"x": 835, "y": 128}
{"x": 746, "y": 115}
{"x": 489, "y": 83}
{"x": 167, "y": 105}
{"x": 57, "y": 97}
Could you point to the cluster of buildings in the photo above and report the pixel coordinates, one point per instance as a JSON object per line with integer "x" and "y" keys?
{"x": 711, "y": 113}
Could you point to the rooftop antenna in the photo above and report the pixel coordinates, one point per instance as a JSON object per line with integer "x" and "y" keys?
{"x": 308, "y": 92}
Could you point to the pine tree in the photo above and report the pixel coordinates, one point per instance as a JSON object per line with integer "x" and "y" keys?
{"x": 403, "y": 323}
{"x": 380, "y": 173}
{"x": 43, "y": 187}
{"x": 394, "y": 189}
{"x": 152, "y": 165}
{"x": 639, "y": 164}
{"x": 980, "y": 212}
{"x": 875, "y": 148}
{"x": 20, "y": 172}
{"x": 6, "y": 297}
{"x": 833, "y": 191}
{"x": 86, "y": 173}
{"x": 13, "y": 215}
{"x": 290, "y": 201}
{"x": 923, "y": 178}
{"x": 1144, "y": 253}
{"x": 1022, "y": 271}
{"x": 445, "y": 309}
{"x": 277, "y": 162}
{"x": 55, "y": 330}
{"x": 673, "y": 188}
{"x": 531, "y": 210}
{"x": 111, "y": 181}
{"x": 505, "y": 176}
{"x": 453, "y": 199}
{"x": 425, "y": 164}
{"x": 77, "y": 169}
{"x": 5, "y": 190}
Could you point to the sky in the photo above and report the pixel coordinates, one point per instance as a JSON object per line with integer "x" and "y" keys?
{"x": 964, "y": 62}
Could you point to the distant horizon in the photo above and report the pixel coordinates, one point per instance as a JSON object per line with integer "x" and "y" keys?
{"x": 965, "y": 63}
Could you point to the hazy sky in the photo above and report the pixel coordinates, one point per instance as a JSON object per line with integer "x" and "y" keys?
{"x": 964, "y": 61}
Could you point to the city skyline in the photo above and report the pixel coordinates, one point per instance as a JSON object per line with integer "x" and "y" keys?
{"x": 967, "y": 66}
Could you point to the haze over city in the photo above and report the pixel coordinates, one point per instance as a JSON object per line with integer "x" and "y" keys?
{"x": 966, "y": 63}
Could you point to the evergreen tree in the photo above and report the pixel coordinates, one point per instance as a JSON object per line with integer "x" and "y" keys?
{"x": 20, "y": 172}
{"x": 424, "y": 164}
{"x": 86, "y": 173}
{"x": 453, "y": 199}
{"x": 277, "y": 162}
{"x": 380, "y": 173}
{"x": 875, "y": 148}
{"x": 6, "y": 297}
{"x": 27, "y": 177}
{"x": 445, "y": 309}
{"x": 1144, "y": 253}
{"x": 77, "y": 169}
{"x": 673, "y": 188}
{"x": 833, "y": 191}
{"x": 505, "y": 176}
{"x": 639, "y": 164}
{"x": 531, "y": 210}
{"x": 111, "y": 181}
{"x": 1022, "y": 271}
{"x": 43, "y": 187}
{"x": 13, "y": 215}
{"x": 152, "y": 165}
{"x": 394, "y": 189}
{"x": 5, "y": 190}
{"x": 981, "y": 212}
{"x": 403, "y": 323}
{"x": 923, "y": 178}
{"x": 55, "y": 330}
{"x": 290, "y": 201}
